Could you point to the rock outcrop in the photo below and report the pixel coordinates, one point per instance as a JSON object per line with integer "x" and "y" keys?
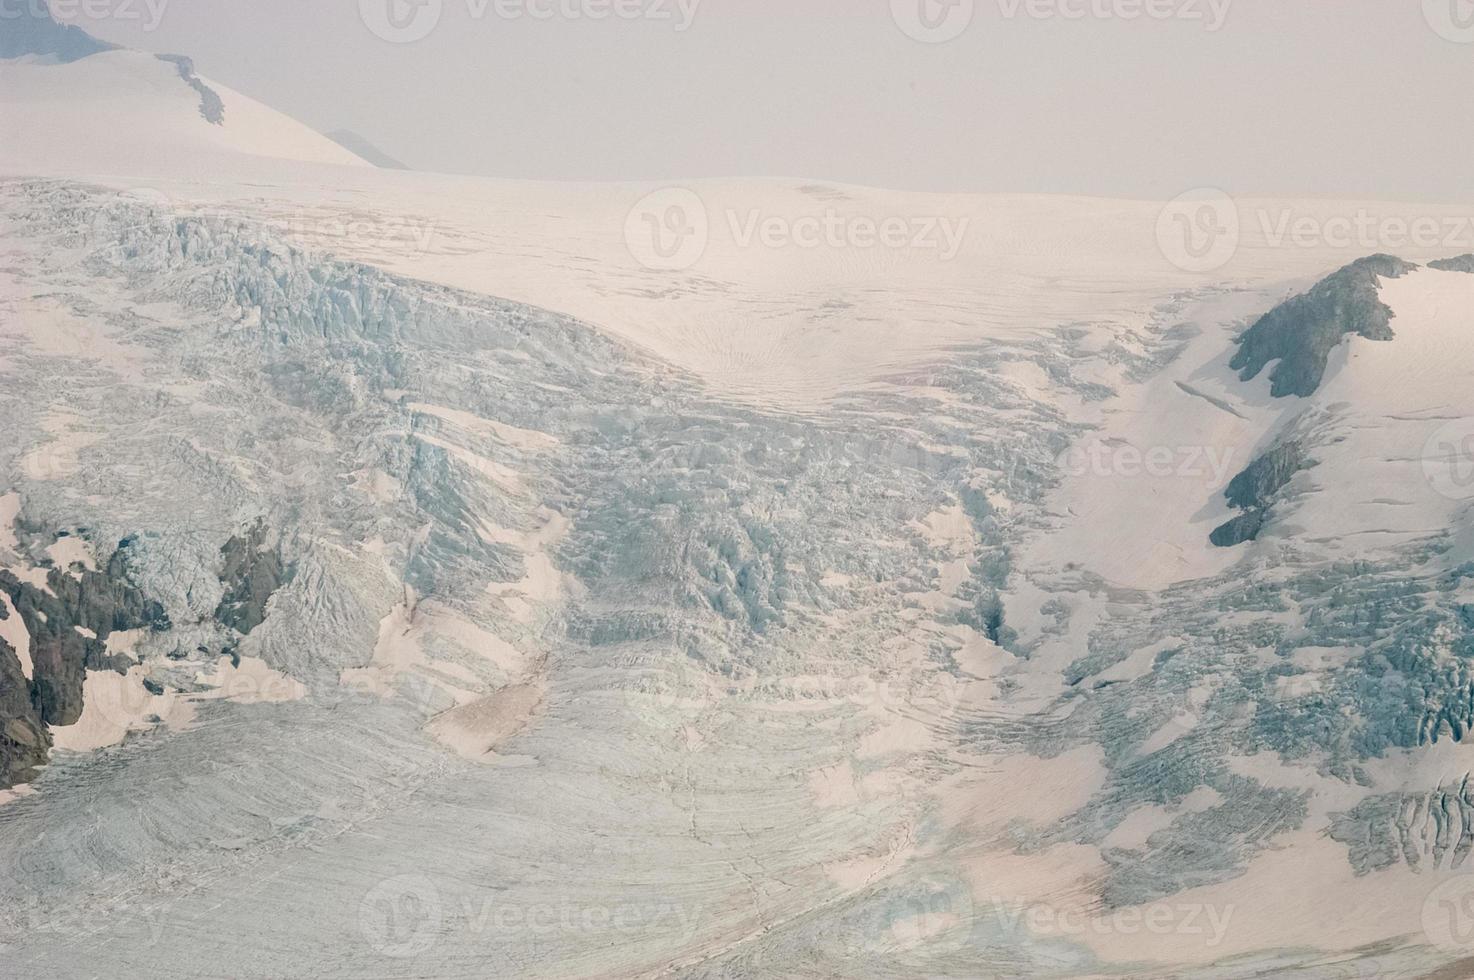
{"x": 69, "y": 623}
{"x": 252, "y": 571}
{"x": 212, "y": 107}
{"x": 24, "y": 740}
{"x": 1459, "y": 263}
{"x": 1301, "y": 332}
{"x": 1253, "y": 492}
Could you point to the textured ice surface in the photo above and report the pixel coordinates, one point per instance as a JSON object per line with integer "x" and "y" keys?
{"x": 604, "y": 673}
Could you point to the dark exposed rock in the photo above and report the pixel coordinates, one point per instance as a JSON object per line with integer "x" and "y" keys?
{"x": 1267, "y": 475}
{"x": 212, "y": 109}
{"x": 251, "y": 571}
{"x": 1253, "y": 492}
{"x": 1302, "y": 331}
{"x": 1244, "y": 527}
{"x": 1459, "y": 263}
{"x": 97, "y": 602}
{"x": 24, "y": 740}
{"x": 100, "y": 602}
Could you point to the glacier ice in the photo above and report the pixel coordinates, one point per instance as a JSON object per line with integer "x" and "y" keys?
{"x": 752, "y": 675}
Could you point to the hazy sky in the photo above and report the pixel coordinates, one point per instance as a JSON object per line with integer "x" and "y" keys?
{"x": 1354, "y": 97}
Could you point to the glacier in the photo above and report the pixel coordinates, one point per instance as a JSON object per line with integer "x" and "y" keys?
{"x": 604, "y": 673}
{"x": 400, "y": 579}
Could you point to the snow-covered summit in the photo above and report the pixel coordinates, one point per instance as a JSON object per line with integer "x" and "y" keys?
{"x": 30, "y": 31}
{"x": 69, "y": 102}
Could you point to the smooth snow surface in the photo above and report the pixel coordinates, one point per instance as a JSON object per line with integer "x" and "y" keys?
{"x": 120, "y": 112}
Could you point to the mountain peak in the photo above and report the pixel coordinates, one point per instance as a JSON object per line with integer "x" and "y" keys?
{"x": 360, "y": 146}
{"x": 34, "y": 31}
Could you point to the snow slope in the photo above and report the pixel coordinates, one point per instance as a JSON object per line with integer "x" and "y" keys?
{"x": 122, "y": 111}
{"x": 768, "y": 319}
{"x": 1373, "y": 428}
